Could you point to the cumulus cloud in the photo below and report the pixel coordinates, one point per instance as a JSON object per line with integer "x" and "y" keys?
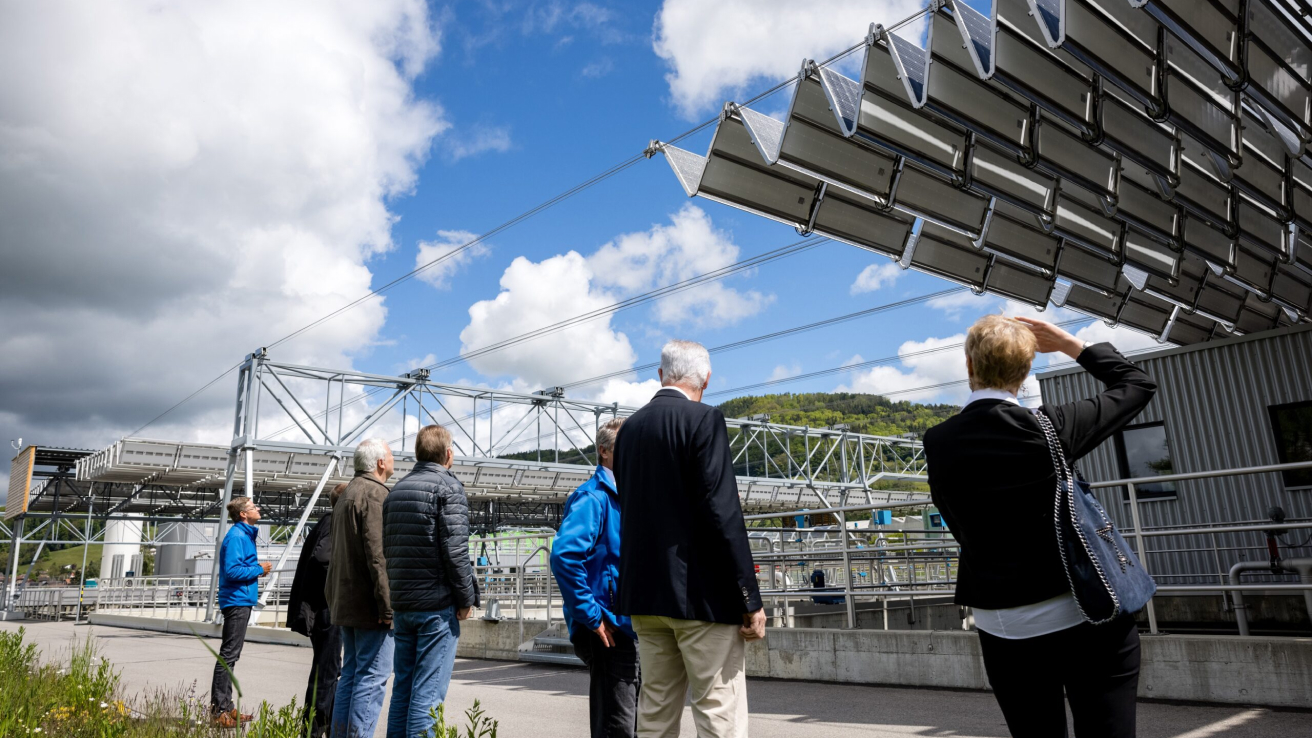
{"x": 181, "y": 181}
{"x": 934, "y": 361}
{"x": 784, "y": 371}
{"x": 538, "y": 294}
{"x": 429, "y": 252}
{"x": 690, "y": 245}
{"x": 875, "y": 277}
{"x": 715, "y": 50}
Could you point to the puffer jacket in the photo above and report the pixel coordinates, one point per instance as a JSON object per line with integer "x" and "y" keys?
{"x": 426, "y": 541}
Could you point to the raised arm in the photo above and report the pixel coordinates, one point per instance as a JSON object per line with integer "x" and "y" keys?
{"x": 1083, "y": 424}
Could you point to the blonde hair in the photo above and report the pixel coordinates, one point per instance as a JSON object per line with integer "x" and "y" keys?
{"x": 1001, "y": 352}
{"x": 608, "y": 432}
{"x": 431, "y": 444}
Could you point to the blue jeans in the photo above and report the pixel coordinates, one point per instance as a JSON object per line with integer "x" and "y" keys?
{"x": 366, "y": 664}
{"x": 425, "y": 657}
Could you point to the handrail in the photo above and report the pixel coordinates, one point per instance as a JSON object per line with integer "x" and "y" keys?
{"x": 1211, "y": 473}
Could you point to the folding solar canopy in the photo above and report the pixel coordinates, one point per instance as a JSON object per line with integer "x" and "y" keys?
{"x": 1145, "y": 162}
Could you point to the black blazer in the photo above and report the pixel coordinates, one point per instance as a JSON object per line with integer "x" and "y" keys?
{"x": 307, "y": 608}
{"x": 992, "y": 478}
{"x": 683, "y": 543}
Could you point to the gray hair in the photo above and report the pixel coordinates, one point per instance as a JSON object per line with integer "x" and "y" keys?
{"x": 369, "y": 453}
{"x": 685, "y": 363}
{"x": 607, "y": 433}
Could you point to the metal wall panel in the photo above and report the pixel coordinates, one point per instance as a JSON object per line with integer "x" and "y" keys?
{"x": 1213, "y": 400}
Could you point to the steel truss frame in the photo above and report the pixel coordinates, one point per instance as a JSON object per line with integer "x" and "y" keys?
{"x": 829, "y": 482}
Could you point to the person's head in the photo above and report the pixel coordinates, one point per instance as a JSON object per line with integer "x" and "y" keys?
{"x": 374, "y": 457}
{"x": 243, "y": 510}
{"x": 606, "y": 435}
{"x": 686, "y": 365}
{"x": 999, "y": 353}
{"x": 433, "y": 443}
{"x": 336, "y": 494}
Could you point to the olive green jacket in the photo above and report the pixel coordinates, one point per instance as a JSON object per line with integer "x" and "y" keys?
{"x": 357, "y": 590}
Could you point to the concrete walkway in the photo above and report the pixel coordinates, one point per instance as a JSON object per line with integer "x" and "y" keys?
{"x": 551, "y": 702}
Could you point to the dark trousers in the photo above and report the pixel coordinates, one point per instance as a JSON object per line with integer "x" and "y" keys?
{"x": 1095, "y": 667}
{"x": 235, "y": 620}
{"x": 326, "y": 640}
{"x": 613, "y": 688}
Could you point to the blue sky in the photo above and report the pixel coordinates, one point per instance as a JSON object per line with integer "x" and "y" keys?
{"x": 188, "y": 183}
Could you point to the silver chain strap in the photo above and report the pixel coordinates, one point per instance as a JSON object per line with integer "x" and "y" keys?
{"x": 1066, "y": 491}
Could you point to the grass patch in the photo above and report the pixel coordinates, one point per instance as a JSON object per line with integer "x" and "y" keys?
{"x": 81, "y": 696}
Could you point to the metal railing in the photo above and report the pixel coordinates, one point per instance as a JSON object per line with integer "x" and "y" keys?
{"x": 182, "y": 598}
{"x": 875, "y": 564}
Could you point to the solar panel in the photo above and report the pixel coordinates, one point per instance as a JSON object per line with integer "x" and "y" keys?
{"x": 1116, "y": 156}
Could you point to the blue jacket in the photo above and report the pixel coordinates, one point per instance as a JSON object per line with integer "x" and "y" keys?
{"x": 239, "y": 568}
{"x": 585, "y": 557}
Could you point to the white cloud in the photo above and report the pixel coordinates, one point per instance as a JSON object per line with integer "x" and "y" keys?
{"x": 1122, "y": 338}
{"x": 955, "y": 304}
{"x": 426, "y": 360}
{"x": 538, "y": 294}
{"x": 717, "y": 49}
{"x": 182, "y": 181}
{"x": 784, "y": 371}
{"x": 534, "y": 295}
{"x": 690, "y": 245}
{"x": 439, "y": 274}
{"x": 597, "y": 69}
{"x": 925, "y": 370}
{"x": 478, "y": 141}
{"x": 875, "y": 277}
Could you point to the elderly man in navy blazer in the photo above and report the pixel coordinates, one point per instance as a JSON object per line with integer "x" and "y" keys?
{"x": 686, "y": 572}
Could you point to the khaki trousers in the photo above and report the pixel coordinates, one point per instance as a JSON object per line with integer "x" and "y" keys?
{"x": 704, "y": 662}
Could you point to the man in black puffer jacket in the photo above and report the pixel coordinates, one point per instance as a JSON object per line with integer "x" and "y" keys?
{"x": 426, "y": 544}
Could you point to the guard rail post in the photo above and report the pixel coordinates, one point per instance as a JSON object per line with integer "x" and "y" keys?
{"x": 1143, "y": 552}
{"x": 849, "y": 592}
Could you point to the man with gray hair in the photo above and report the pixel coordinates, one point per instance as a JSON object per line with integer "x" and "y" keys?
{"x": 686, "y": 575}
{"x": 359, "y": 599}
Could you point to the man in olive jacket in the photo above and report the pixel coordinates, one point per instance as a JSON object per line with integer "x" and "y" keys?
{"x": 359, "y": 599}
{"x": 426, "y": 541}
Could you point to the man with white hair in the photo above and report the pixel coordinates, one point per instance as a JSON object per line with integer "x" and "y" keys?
{"x": 359, "y": 598}
{"x": 686, "y": 574}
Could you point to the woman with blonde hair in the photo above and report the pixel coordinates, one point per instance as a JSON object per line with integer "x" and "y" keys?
{"x": 993, "y": 478}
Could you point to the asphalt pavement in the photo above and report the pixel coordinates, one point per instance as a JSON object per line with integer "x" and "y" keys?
{"x": 551, "y": 702}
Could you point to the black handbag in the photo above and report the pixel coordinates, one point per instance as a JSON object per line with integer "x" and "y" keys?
{"x": 1105, "y": 575}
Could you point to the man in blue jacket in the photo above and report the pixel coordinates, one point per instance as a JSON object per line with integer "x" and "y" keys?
{"x": 239, "y": 571}
{"x": 585, "y": 558}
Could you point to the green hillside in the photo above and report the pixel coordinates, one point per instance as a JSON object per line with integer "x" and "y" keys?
{"x": 864, "y": 413}
{"x": 871, "y": 414}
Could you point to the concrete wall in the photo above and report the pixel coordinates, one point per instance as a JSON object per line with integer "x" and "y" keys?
{"x": 1274, "y": 672}
{"x": 485, "y": 639}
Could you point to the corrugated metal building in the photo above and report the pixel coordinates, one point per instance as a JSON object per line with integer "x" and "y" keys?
{"x": 1239, "y": 402}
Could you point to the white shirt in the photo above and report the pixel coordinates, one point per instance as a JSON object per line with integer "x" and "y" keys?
{"x": 681, "y": 390}
{"x": 1027, "y": 621}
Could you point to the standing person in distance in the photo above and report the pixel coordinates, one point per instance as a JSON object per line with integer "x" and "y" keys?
{"x": 426, "y": 542}
{"x": 585, "y": 558}
{"x": 309, "y": 615}
{"x": 990, "y": 471}
{"x": 239, "y": 573}
{"x": 686, "y": 573}
{"x": 359, "y": 600}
